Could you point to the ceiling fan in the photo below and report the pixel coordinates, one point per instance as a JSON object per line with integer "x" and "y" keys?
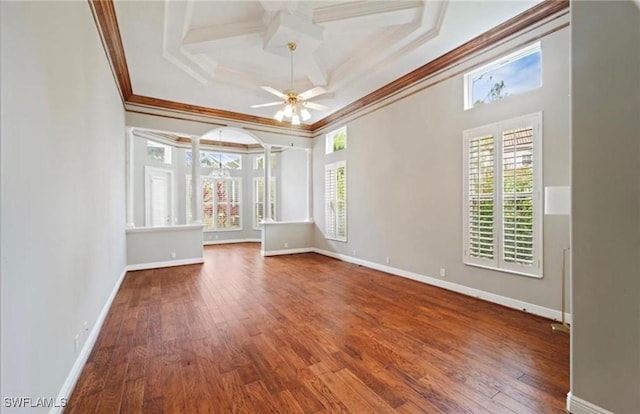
{"x": 296, "y": 104}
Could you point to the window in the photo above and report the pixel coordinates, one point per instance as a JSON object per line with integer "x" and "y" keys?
{"x": 337, "y": 140}
{"x": 221, "y": 204}
{"x": 158, "y": 152}
{"x": 335, "y": 193}
{"x": 258, "y": 200}
{"x": 258, "y": 162}
{"x": 510, "y": 75}
{"x": 502, "y": 179}
{"x": 210, "y": 159}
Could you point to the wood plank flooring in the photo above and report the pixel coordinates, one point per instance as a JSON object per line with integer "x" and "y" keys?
{"x": 309, "y": 334}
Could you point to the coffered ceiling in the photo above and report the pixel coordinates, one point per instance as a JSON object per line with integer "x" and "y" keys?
{"x": 218, "y": 54}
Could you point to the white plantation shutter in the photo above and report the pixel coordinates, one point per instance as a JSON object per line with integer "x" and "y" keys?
{"x": 336, "y": 201}
{"x": 517, "y": 196}
{"x": 480, "y": 197}
{"x": 502, "y": 177}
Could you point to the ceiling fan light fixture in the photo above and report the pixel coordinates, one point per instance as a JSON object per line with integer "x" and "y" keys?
{"x": 295, "y": 119}
{"x": 305, "y": 114}
{"x": 288, "y": 110}
{"x": 279, "y": 115}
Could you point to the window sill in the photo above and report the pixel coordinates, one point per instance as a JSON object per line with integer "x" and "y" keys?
{"x": 336, "y": 239}
{"x": 501, "y": 270}
{"x": 221, "y": 230}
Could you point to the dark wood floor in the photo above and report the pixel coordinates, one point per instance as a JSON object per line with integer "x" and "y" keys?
{"x": 309, "y": 334}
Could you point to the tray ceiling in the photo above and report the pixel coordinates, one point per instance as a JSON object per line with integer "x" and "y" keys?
{"x": 217, "y": 54}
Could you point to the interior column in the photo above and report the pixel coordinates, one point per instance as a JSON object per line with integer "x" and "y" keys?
{"x": 267, "y": 183}
{"x": 129, "y": 178}
{"x": 196, "y": 194}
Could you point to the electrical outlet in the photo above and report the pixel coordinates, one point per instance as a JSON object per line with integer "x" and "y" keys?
{"x": 76, "y": 342}
{"x": 387, "y": 260}
{"x": 173, "y": 255}
{"x": 443, "y": 272}
{"x": 286, "y": 245}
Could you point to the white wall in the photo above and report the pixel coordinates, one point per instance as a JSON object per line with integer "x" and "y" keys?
{"x": 293, "y": 185}
{"x": 605, "y": 335}
{"x": 62, "y": 225}
{"x": 404, "y": 177}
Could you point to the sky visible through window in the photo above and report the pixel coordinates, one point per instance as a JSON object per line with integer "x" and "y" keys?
{"x": 515, "y": 77}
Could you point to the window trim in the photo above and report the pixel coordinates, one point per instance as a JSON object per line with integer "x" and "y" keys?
{"x": 497, "y": 63}
{"x": 335, "y": 166}
{"x": 497, "y": 263}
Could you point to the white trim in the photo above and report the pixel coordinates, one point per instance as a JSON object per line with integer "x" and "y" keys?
{"x": 212, "y": 242}
{"x": 81, "y": 360}
{"x": 177, "y": 227}
{"x": 286, "y": 222}
{"x": 169, "y": 263}
{"x": 576, "y": 405}
{"x": 465, "y": 290}
{"x": 288, "y": 251}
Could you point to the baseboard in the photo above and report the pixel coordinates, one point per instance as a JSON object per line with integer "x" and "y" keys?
{"x": 465, "y": 290}
{"x": 577, "y": 405}
{"x": 170, "y": 263}
{"x": 78, "y": 365}
{"x": 287, "y": 251}
{"x": 212, "y": 242}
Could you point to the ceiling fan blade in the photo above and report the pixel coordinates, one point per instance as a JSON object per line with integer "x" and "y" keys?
{"x": 312, "y": 93}
{"x": 266, "y": 104}
{"x": 274, "y": 91}
{"x": 316, "y": 106}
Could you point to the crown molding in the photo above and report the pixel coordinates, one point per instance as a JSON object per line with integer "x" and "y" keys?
{"x": 104, "y": 14}
{"x": 107, "y": 24}
{"x": 146, "y": 101}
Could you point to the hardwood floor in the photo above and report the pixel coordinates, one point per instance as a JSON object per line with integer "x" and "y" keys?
{"x": 309, "y": 334}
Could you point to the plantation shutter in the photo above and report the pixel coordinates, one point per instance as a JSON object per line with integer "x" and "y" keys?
{"x": 501, "y": 204}
{"x": 517, "y": 197}
{"x": 336, "y": 201}
{"x": 480, "y": 197}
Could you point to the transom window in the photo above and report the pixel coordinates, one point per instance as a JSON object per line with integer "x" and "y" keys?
{"x": 336, "y": 140}
{"x": 211, "y": 159}
{"x": 510, "y": 75}
{"x": 502, "y": 180}
{"x": 158, "y": 152}
{"x": 258, "y": 162}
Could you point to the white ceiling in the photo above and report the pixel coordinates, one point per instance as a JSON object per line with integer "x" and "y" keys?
{"x": 217, "y": 54}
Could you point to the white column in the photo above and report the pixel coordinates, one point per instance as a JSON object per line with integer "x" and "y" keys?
{"x": 267, "y": 183}
{"x": 196, "y": 194}
{"x": 129, "y": 178}
{"x": 309, "y": 184}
